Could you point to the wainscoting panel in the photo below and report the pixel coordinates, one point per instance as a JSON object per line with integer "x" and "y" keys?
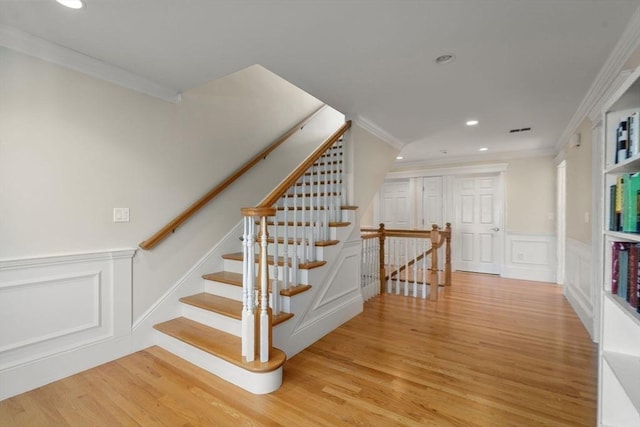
{"x": 579, "y": 283}
{"x": 530, "y": 257}
{"x": 52, "y": 306}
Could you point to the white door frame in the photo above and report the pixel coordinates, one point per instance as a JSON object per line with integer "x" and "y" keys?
{"x": 561, "y": 219}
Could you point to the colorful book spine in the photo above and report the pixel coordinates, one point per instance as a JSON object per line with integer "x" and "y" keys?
{"x": 623, "y": 270}
{"x": 632, "y": 285}
{"x": 615, "y": 268}
{"x": 631, "y": 186}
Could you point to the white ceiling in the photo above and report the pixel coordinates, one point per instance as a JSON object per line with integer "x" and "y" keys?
{"x": 519, "y": 63}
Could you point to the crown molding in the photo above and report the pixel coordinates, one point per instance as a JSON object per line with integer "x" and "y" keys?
{"x": 448, "y": 170}
{"x": 377, "y": 131}
{"x": 485, "y": 157}
{"x": 593, "y": 101}
{"x": 40, "y": 48}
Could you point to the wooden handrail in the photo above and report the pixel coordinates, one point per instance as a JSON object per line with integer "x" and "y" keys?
{"x": 165, "y": 231}
{"x": 293, "y": 177}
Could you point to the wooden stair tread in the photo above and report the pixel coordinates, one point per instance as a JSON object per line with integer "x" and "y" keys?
{"x": 227, "y": 307}
{"x": 235, "y": 279}
{"x": 225, "y": 346}
{"x": 307, "y": 208}
{"x": 217, "y": 304}
{"x": 238, "y": 256}
{"x": 321, "y": 243}
{"x": 308, "y": 224}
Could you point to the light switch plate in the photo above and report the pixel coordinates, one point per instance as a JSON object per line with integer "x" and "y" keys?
{"x": 120, "y": 214}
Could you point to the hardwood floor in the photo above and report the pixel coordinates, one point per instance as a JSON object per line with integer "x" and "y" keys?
{"x": 491, "y": 352}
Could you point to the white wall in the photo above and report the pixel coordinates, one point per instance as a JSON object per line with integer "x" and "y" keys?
{"x": 73, "y": 147}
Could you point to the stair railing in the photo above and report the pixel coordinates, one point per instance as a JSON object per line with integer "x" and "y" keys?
{"x": 304, "y": 205}
{"x": 171, "y": 227}
{"x": 405, "y": 261}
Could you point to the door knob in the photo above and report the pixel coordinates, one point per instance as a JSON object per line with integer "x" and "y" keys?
{"x": 495, "y": 229}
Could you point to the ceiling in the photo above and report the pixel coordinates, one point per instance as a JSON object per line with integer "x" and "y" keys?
{"x": 518, "y": 63}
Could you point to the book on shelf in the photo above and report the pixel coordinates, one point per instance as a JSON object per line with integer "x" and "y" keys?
{"x": 627, "y": 137}
{"x": 625, "y": 272}
{"x": 624, "y": 204}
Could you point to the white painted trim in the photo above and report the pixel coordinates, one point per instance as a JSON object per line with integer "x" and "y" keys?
{"x": 77, "y": 340}
{"x": 579, "y": 282}
{"x": 378, "y": 132}
{"x": 454, "y": 170}
{"x": 485, "y": 157}
{"x": 40, "y": 48}
{"x": 591, "y": 102}
{"x": 520, "y": 261}
{"x": 45, "y": 260}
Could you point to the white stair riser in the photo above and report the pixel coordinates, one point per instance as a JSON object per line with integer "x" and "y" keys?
{"x": 223, "y": 290}
{"x": 213, "y": 320}
{"x": 236, "y": 267}
{"x": 256, "y": 383}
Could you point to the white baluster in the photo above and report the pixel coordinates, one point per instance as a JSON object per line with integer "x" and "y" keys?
{"x": 293, "y": 255}
{"x": 416, "y": 250}
{"x": 396, "y": 248}
{"x": 312, "y": 213}
{"x": 303, "y": 243}
{"x": 424, "y": 269}
{"x": 285, "y": 246}
{"x": 265, "y": 327}
{"x": 388, "y": 245}
{"x": 406, "y": 267}
{"x": 325, "y": 202}
{"x": 275, "y": 284}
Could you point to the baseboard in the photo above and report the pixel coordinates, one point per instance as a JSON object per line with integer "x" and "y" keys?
{"x": 578, "y": 286}
{"x": 530, "y": 257}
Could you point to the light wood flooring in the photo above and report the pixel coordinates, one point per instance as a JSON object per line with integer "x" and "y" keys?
{"x": 491, "y": 352}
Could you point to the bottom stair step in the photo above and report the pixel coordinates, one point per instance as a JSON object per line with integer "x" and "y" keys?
{"x": 220, "y": 354}
{"x": 225, "y": 346}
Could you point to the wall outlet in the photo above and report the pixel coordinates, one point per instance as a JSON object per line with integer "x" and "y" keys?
{"x": 120, "y": 214}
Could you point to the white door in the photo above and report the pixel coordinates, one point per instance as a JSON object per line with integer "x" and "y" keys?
{"x": 432, "y": 202}
{"x": 478, "y": 223}
{"x": 395, "y": 204}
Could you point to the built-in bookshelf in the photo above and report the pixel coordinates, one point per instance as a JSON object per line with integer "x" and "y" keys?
{"x": 619, "y": 367}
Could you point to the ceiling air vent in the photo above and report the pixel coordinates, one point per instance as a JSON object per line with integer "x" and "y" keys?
{"x": 520, "y": 130}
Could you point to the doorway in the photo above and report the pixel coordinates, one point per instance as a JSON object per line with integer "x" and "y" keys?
{"x": 478, "y": 223}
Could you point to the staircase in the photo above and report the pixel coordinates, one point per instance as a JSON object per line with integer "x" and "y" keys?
{"x": 221, "y": 329}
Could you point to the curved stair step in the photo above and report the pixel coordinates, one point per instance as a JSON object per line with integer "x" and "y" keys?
{"x": 220, "y": 353}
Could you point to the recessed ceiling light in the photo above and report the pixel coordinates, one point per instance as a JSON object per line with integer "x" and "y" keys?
{"x": 472, "y": 122}
{"x": 399, "y": 158}
{"x": 72, "y": 4}
{"x": 445, "y": 59}
{"x": 483, "y": 149}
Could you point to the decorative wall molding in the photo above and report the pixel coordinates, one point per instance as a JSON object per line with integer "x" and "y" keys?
{"x": 530, "y": 257}
{"x": 578, "y": 286}
{"x": 377, "y": 131}
{"x": 445, "y": 171}
{"x": 591, "y": 103}
{"x": 40, "y": 48}
{"x": 486, "y": 157}
{"x": 62, "y": 314}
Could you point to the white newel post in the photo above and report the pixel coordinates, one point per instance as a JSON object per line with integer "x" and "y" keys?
{"x": 251, "y": 336}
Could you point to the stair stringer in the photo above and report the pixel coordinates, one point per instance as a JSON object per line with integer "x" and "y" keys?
{"x": 169, "y": 305}
{"x": 335, "y": 296}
